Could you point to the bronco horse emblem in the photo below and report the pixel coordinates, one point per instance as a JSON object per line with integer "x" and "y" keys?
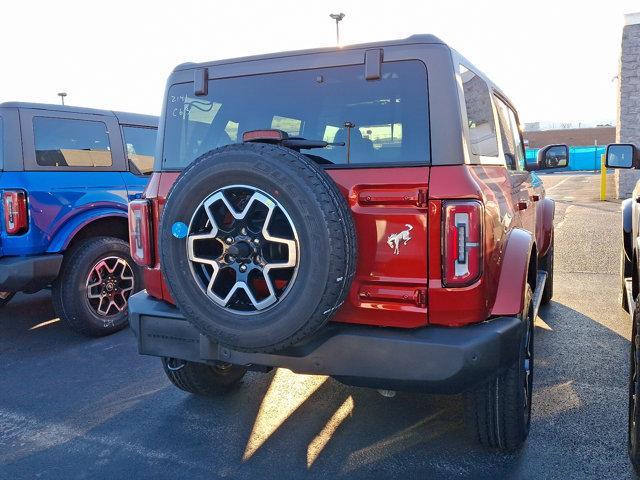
{"x": 394, "y": 239}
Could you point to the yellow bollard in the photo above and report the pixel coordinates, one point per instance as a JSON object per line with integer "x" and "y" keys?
{"x": 603, "y": 178}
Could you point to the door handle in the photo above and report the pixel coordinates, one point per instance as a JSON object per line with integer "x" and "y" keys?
{"x": 522, "y": 205}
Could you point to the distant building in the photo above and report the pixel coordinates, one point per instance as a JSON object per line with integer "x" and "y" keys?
{"x": 628, "y": 99}
{"x": 574, "y": 137}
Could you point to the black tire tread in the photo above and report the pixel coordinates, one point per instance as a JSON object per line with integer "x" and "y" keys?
{"x": 493, "y": 410}
{"x": 547, "y": 265}
{"x": 634, "y": 388}
{"x": 342, "y": 238}
{"x": 204, "y": 380}
{"x": 64, "y": 302}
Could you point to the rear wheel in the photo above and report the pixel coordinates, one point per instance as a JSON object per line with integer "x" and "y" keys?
{"x": 625, "y": 272}
{"x": 92, "y": 290}
{"x": 500, "y": 411}
{"x": 5, "y": 297}
{"x": 547, "y": 265}
{"x": 634, "y": 393}
{"x": 201, "y": 379}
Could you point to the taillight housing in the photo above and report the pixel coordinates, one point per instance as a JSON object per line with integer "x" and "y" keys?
{"x": 16, "y": 219}
{"x": 462, "y": 242}
{"x": 140, "y": 232}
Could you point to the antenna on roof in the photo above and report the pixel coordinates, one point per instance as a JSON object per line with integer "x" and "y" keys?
{"x": 62, "y": 95}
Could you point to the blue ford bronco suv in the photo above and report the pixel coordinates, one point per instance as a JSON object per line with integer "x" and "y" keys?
{"x": 66, "y": 176}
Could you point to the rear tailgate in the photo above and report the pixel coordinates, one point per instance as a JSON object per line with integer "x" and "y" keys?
{"x": 389, "y": 206}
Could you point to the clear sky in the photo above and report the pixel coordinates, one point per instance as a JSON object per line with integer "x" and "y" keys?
{"x": 556, "y": 59}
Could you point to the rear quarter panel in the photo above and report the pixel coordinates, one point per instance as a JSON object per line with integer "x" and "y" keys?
{"x": 61, "y": 202}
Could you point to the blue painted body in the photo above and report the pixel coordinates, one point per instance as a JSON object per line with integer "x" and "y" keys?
{"x": 62, "y": 203}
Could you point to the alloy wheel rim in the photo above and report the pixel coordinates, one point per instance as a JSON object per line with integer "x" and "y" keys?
{"x": 109, "y": 284}
{"x": 243, "y": 249}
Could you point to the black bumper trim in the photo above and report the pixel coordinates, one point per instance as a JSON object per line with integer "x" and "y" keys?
{"x": 29, "y": 274}
{"x": 431, "y": 359}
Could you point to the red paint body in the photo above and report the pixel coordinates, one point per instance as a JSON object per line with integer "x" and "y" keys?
{"x": 406, "y": 289}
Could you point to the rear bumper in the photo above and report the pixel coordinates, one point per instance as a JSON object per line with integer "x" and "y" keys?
{"x": 430, "y": 359}
{"x": 28, "y": 274}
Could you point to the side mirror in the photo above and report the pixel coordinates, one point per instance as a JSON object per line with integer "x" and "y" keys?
{"x": 621, "y": 155}
{"x": 553, "y": 156}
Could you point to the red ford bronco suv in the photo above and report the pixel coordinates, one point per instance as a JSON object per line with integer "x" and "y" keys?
{"x": 362, "y": 212}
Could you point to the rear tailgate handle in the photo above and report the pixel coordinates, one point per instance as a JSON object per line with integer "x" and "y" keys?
{"x": 394, "y": 197}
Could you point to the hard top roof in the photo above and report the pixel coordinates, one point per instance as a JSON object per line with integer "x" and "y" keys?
{"x": 413, "y": 39}
{"x": 122, "y": 117}
{"x": 424, "y": 39}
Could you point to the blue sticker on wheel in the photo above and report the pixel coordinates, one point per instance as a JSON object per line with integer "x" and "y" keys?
{"x": 179, "y": 230}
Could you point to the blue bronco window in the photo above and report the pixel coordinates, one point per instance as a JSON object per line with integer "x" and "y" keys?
{"x": 62, "y": 142}
{"x": 386, "y": 119}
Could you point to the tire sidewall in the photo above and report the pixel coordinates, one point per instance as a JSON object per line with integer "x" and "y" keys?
{"x": 220, "y": 170}
{"x": 528, "y": 323}
{"x": 633, "y": 432}
{"x": 73, "y": 291}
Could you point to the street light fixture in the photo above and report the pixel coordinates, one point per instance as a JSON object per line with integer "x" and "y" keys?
{"x": 62, "y": 95}
{"x": 337, "y": 17}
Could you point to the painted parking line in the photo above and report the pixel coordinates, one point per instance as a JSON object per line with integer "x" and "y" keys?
{"x": 560, "y": 182}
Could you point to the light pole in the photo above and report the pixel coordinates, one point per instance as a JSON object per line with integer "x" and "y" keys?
{"x": 62, "y": 95}
{"x": 337, "y": 17}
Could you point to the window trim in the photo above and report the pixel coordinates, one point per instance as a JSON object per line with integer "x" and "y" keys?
{"x": 160, "y": 160}
{"x": 27, "y": 116}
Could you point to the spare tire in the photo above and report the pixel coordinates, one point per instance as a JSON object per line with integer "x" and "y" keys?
{"x": 257, "y": 245}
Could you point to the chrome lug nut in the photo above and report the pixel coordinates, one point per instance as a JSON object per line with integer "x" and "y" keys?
{"x": 229, "y": 240}
{"x": 256, "y": 240}
{"x": 243, "y": 268}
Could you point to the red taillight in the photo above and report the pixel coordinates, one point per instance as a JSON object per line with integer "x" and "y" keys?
{"x": 462, "y": 241}
{"x": 140, "y": 232}
{"x": 14, "y": 203}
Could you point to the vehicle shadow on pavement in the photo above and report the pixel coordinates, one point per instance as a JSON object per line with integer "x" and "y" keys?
{"x": 96, "y": 408}
{"x": 31, "y": 320}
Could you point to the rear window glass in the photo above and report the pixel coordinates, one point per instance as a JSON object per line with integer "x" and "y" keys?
{"x": 62, "y": 142}
{"x": 140, "y": 144}
{"x": 386, "y": 119}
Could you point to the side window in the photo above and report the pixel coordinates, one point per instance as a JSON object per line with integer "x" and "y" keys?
{"x": 511, "y": 140}
{"x": 482, "y": 128}
{"x": 519, "y": 146}
{"x": 62, "y": 142}
{"x": 140, "y": 143}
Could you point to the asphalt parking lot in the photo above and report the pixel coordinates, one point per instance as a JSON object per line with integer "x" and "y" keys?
{"x": 74, "y": 408}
